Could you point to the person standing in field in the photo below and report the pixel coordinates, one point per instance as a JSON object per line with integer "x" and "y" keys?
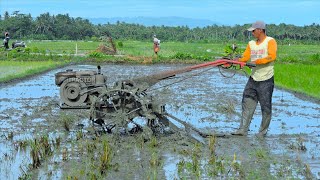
{"x": 156, "y": 44}
{"x": 6, "y": 40}
{"x": 263, "y": 52}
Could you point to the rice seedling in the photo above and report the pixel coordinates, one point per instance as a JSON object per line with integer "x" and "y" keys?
{"x": 21, "y": 145}
{"x": 260, "y": 154}
{"x": 66, "y": 120}
{"x": 10, "y": 136}
{"x": 57, "y": 142}
{"x": 154, "y": 160}
{"x": 46, "y": 147}
{"x": 40, "y": 149}
{"x": 181, "y": 165}
{"x": 91, "y": 147}
{"x": 236, "y": 168}
{"x": 64, "y": 154}
{"x": 140, "y": 141}
{"x": 19, "y": 69}
{"x": 79, "y": 134}
{"x": 307, "y": 172}
{"x": 72, "y": 178}
{"x": 302, "y": 78}
{"x": 196, "y": 169}
{"x": 35, "y": 153}
{"x": 227, "y": 107}
{"x": 217, "y": 167}
{"x": 25, "y": 175}
{"x": 153, "y": 142}
{"x": 106, "y": 157}
{"x": 191, "y": 167}
{"x": 212, "y": 142}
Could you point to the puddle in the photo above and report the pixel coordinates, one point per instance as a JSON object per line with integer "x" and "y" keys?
{"x": 206, "y": 101}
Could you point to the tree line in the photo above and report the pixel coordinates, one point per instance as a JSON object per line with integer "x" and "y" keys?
{"x": 64, "y": 27}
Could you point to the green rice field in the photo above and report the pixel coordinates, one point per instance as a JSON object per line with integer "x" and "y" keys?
{"x": 10, "y": 70}
{"x": 296, "y": 69}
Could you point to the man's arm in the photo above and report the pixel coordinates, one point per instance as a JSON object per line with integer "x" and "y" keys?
{"x": 246, "y": 55}
{"x": 272, "y": 53}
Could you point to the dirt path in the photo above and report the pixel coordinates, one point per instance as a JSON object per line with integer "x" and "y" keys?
{"x": 208, "y": 101}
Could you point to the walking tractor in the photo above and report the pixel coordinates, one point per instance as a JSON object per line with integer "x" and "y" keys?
{"x": 114, "y": 108}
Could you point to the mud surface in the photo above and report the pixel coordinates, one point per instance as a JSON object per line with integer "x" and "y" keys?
{"x": 29, "y": 110}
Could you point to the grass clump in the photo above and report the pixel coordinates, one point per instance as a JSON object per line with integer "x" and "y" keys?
{"x": 40, "y": 149}
{"x": 105, "y": 158}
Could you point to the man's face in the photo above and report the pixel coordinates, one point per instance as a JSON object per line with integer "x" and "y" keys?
{"x": 256, "y": 33}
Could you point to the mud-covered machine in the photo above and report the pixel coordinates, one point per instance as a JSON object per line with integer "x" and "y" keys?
{"x": 114, "y": 108}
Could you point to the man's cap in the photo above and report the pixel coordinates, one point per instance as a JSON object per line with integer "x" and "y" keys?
{"x": 257, "y": 25}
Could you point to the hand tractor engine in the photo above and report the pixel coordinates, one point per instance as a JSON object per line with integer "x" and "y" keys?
{"x": 76, "y": 86}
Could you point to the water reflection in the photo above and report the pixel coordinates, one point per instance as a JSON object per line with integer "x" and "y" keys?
{"x": 207, "y": 101}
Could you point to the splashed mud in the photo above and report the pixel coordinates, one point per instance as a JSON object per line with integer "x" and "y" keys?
{"x": 29, "y": 112}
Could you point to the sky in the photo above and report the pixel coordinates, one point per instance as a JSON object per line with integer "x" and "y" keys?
{"x": 226, "y": 12}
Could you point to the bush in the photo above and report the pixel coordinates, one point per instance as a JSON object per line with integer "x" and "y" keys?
{"x": 27, "y": 50}
{"x": 185, "y": 56}
{"x": 181, "y": 55}
{"x": 290, "y": 59}
{"x": 96, "y": 54}
{"x": 314, "y": 58}
{"x": 120, "y": 44}
{"x": 94, "y": 38}
{"x": 35, "y": 50}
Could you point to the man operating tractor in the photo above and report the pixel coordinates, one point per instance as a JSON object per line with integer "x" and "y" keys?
{"x": 259, "y": 88}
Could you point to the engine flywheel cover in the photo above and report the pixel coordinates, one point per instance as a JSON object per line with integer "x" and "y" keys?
{"x": 70, "y": 92}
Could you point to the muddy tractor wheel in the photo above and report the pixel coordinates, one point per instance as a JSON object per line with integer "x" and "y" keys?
{"x": 118, "y": 109}
{"x": 70, "y": 92}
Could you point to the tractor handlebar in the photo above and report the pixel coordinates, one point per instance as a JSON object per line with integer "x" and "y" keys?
{"x": 250, "y": 65}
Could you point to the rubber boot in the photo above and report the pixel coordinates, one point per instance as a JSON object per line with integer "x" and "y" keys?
{"x": 248, "y": 108}
{"x": 266, "y": 118}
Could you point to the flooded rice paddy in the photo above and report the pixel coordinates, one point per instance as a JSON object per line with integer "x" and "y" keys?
{"x": 38, "y": 140}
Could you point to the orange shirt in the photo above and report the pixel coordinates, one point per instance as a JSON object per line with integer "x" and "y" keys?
{"x": 272, "y": 53}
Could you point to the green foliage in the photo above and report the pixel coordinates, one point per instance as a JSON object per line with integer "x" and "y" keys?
{"x": 301, "y": 78}
{"x": 302, "y": 58}
{"x": 18, "y": 69}
{"x": 315, "y": 58}
{"x": 96, "y": 54}
{"x": 64, "y": 27}
{"x": 27, "y": 50}
{"x": 40, "y": 149}
{"x": 120, "y": 44}
{"x": 94, "y": 38}
{"x": 185, "y": 56}
{"x": 181, "y": 55}
{"x": 292, "y": 61}
{"x": 106, "y": 157}
{"x": 35, "y": 50}
{"x": 232, "y": 51}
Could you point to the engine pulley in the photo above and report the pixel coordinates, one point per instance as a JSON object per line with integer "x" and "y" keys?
{"x": 70, "y": 92}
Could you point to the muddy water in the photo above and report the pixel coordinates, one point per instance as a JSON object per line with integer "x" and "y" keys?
{"x": 206, "y": 100}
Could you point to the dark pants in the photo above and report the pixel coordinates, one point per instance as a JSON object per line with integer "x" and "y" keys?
{"x": 6, "y": 45}
{"x": 254, "y": 92}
